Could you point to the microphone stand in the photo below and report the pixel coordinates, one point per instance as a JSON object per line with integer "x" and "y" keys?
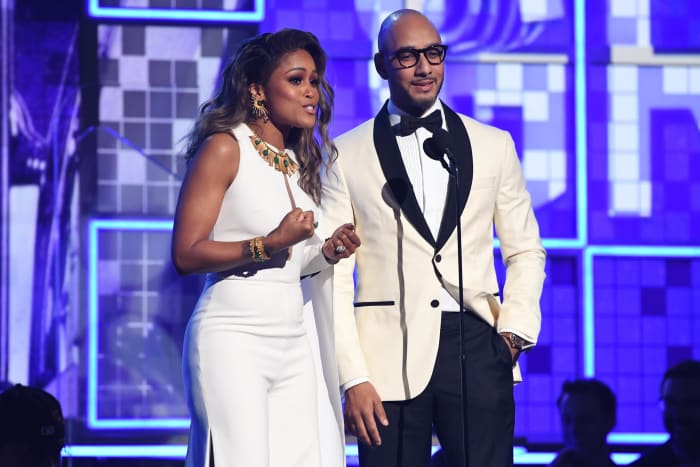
{"x": 436, "y": 148}
{"x": 454, "y": 173}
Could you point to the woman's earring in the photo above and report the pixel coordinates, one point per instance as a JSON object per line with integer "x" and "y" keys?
{"x": 258, "y": 108}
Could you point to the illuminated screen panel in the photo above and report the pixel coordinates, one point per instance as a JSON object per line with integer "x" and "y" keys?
{"x": 349, "y": 29}
{"x": 521, "y": 456}
{"x": 534, "y": 102}
{"x": 675, "y": 25}
{"x": 139, "y": 307}
{"x": 200, "y": 11}
{"x": 644, "y": 111}
{"x": 645, "y": 154}
{"x": 557, "y": 354}
{"x": 645, "y": 313}
{"x": 153, "y": 79}
{"x": 604, "y": 114}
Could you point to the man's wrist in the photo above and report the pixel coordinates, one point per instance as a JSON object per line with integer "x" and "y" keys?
{"x": 515, "y": 342}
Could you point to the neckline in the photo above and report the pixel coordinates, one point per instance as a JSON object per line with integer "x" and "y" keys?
{"x": 278, "y": 160}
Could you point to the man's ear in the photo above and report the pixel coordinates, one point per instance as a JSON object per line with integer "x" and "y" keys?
{"x": 379, "y": 65}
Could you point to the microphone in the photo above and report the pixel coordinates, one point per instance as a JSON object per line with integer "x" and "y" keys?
{"x": 438, "y": 146}
{"x": 442, "y": 143}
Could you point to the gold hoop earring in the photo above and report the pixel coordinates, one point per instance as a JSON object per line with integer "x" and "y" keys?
{"x": 258, "y": 109}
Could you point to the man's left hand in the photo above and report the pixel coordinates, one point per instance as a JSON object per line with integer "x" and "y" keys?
{"x": 514, "y": 353}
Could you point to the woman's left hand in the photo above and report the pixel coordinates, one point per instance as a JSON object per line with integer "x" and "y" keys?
{"x": 341, "y": 244}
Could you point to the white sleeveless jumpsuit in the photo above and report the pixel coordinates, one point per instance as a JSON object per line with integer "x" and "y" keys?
{"x": 247, "y": 363}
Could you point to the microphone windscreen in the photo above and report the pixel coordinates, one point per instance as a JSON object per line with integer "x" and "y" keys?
{"x": 432, "y": 150}
{"x": 442, "y": 140}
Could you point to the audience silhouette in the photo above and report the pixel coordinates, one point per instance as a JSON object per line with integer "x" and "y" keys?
{"x": 588, "y": 411}
{"x": 680, "y": 407}
{"x": 31, "y": 428}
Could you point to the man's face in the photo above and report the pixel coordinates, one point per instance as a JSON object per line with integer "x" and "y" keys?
{"x": 413, "y": 89}
{"x": 681, "y": 411}
{"x": 585, "y": 427}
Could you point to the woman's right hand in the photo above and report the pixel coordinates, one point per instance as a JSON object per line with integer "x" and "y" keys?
{"x": 294, "y": 227}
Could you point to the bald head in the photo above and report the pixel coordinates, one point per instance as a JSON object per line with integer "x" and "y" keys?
{"x": 400, "y": 19}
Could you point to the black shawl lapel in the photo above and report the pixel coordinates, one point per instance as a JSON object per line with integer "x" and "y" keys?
{"x": 395, "y": 173}
{"x": 462, "y": 150}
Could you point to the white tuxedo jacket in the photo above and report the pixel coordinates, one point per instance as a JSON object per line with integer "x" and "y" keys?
{"x": 387, "y": 327}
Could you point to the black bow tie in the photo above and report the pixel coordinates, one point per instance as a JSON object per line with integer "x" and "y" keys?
{"x": 409, "y": 124}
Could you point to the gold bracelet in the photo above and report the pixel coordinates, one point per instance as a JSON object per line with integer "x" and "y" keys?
{"x": 251, "y": 248}
{"x": 260, "y": 247}
{"x": 257, "y": 250}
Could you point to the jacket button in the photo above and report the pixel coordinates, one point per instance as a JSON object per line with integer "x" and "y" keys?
{"x": 438, "y": 258}
{"x": 434, "y": 303}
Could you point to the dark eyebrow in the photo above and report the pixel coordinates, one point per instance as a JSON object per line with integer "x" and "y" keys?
{"x": 300, "y": 68}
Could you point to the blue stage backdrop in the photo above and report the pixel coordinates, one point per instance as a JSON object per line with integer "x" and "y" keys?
{"x": 602, "y": 99}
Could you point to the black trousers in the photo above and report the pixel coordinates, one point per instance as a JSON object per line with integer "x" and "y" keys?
{"x": 406, "y": 442}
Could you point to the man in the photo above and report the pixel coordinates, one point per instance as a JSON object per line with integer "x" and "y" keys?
{"x": 398, "y": 346}
{"x": 31, "y": 428}
{"x": 680, "y": 405}
{"x": 588, "y": 414}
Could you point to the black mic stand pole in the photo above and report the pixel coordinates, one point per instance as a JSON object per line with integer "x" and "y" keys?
{"x": 436, "y": 148}
{"x": 454, "y": 172}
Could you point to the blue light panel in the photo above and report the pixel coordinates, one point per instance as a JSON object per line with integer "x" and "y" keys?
{"x": 638, "y": 438}
{"x": 520, "y": 454}
{"x": 137, "y": 451}
{"x": 158, "y": 225}
{"x": 95, "y": 10}
{"x": 589, "y": 316}
{"x": 624, "y": 458}
{"x": 581, "y": 124}
{"x": 588, "y": 298}
{"x": 579, "y": 243}
{"x": 94, "y": 228}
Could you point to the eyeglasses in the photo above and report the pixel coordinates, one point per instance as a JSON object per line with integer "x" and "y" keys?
{"x": 408, "y": 56}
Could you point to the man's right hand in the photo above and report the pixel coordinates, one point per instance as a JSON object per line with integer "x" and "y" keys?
{"x": 362, "y": 409}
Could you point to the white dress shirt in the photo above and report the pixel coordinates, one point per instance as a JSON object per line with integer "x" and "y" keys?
{"x": 428, "y": 178}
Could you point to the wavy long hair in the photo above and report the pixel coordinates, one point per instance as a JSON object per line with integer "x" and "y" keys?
{"x": 253, "y": 63}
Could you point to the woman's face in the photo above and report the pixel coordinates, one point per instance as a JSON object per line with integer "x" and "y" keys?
{"x": 291, "y": 94}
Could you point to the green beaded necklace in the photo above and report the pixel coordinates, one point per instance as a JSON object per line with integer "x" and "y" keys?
{"x": 280, "y": 161}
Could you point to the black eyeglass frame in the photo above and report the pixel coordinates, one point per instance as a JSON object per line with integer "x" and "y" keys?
{"x": 416, "y": 53}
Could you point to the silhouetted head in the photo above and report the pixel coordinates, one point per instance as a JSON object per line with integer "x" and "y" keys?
{"x": 680, "y": 404}
{"x": 31, "y": 428}
{"x": 588, "y": 413}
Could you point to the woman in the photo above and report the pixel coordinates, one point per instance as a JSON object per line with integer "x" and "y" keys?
{"x": 246, "y": 218}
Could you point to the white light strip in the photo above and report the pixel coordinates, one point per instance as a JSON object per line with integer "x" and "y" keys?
{"x": 520, "y": 454}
